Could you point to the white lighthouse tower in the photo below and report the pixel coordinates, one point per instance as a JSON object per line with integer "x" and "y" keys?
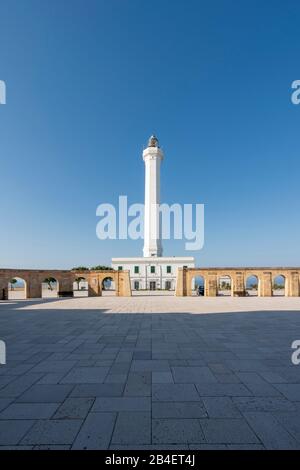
{"x": 152, "y": 157}
{"x": 152, "y": 271}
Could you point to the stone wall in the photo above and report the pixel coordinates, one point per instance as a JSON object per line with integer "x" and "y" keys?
{"x": 238, "y": 278}
{"x": 34, "y": 278}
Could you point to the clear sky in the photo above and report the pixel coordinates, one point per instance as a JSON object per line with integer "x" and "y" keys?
{"x": 89, "y": 80}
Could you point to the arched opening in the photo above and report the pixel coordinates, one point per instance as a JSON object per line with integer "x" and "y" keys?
{"x": 108, "y": 286}
{"x": 49, "y": 287}
{"x": 252, "y": 286}
{"x": 80, "y": 287}
{"x": 17, "y": 289}
{"x": 279, "y": 286}
{"x": 198, "y": 286}
{"x": 224, "y": 286}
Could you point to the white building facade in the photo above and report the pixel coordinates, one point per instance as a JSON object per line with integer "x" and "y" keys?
{"x": 152, "y": 271}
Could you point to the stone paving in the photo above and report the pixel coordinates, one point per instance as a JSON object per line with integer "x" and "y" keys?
{"x": 150, "y": 373}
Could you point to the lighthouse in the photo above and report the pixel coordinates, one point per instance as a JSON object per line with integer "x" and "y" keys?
{"x": 152, "y": 271}
{"x": 152, "y": 157}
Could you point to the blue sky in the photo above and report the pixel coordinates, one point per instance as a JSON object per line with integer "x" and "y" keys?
{"x": 89, "y": 81}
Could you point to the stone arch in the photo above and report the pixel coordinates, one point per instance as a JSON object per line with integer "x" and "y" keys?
{"x": 80, "y": 286}
{"x": 114, "y": 276}
{"x": 198, "y": 285}
{"x": 224, "y": 285}
{"x": 252, "y": 285}
{"x": 185, "y": 277}
{"x": 50, "y": 287}
{"x": 108, "y": 283}
{"x": 279, "y": 285}
{"x": 17, "y": 288}
{"x": 121, "y": 280}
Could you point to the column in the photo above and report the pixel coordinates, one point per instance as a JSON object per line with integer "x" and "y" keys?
{"x": 238, "y": 285}
{"x": 212, "y": 285}
{"x": 293, "y": 284}
{"x": 266, "y": 285}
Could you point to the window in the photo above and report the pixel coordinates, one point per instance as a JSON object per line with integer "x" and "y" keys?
{"x": 169, "y": 270}
{"x": 152, "y": 269}
{"x": 168, "y": 285}
{"x": 136, "y": 285}
{"x": 136, "y": 269}
{"x": 120, "y": 268}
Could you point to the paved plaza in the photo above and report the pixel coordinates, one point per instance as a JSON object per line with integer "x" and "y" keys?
{"x": 150, "y": 373}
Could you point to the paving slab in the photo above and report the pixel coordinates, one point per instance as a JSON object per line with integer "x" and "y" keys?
{"x": 179, "y": 410}
{"x": 11, "y": 432}
{"x": 221, "y": 407}
{"x": 193, "y": 375}
{"x": 270, "y": 432}
{"x": 98, "y": 390}
{"x": 52, "y": 432}
{"x": 139, "y": 365}
{"x": 223, "y": 390}
{"x": 162, "y": 377}
{"x": 96, "y": 432}
{"x": 74, "y": 408}
{"x": 176, "y": 431}
{"x": 90, "y": 373}
{"x": 263, "y": 404}
{"x": 4, "y": 402}
{"x": 104, "y": 404}
{"x": 29, "y": 411}
{"x": 290, "y": 421}
{"x": 85, "y": 375}
{"x": 228, "y": 431}
{"x": 20, "y": 385}
{"x": 139, "y": 384}
{"x": 42, "y": 393}
{"x": 290, "y": 391}
{"x": 174, "y": 392}
{"x": 132, "y": 427}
